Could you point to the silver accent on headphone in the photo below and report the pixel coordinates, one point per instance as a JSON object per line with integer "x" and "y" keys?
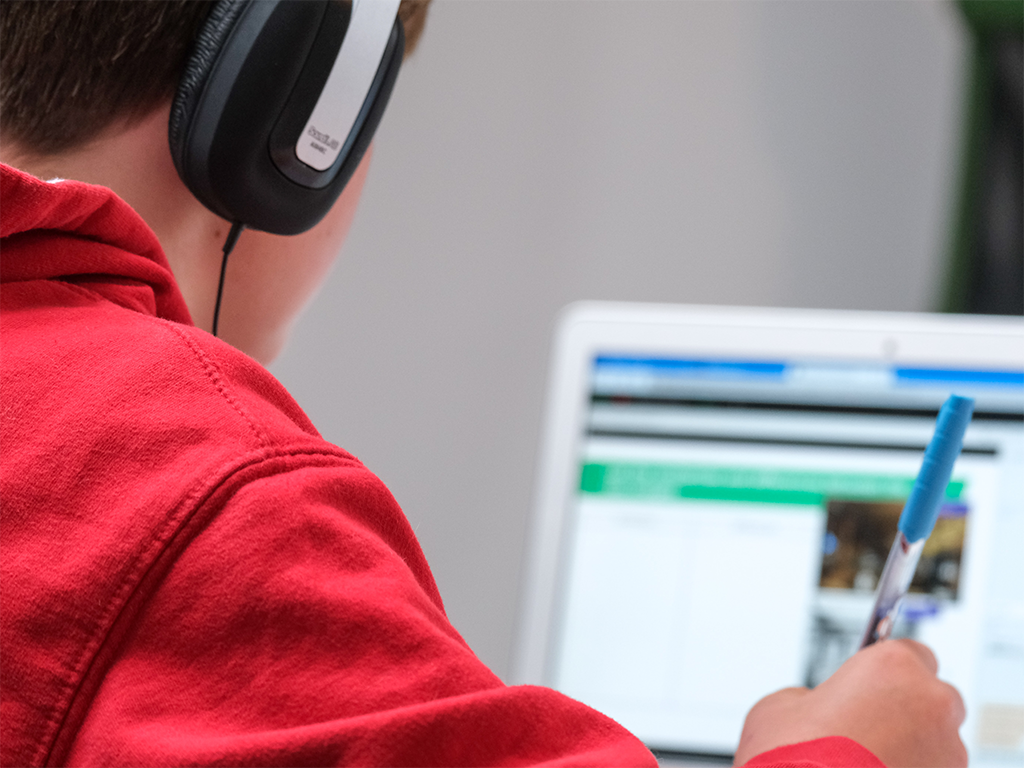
{"x": 327, "y": 131}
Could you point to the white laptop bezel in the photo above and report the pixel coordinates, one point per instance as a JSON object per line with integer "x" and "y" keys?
{"x": 587, "y": 329}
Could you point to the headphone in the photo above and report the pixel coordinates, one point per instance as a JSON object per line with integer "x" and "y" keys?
{"x": 278, "y": 103}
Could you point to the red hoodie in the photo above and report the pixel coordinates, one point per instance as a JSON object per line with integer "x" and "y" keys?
{"x": 190, "y": 573}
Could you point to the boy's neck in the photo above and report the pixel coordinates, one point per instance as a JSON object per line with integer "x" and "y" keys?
{"x": 134, "y": 160}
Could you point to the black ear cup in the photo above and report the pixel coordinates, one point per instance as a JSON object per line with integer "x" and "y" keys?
{"x": 256, "y": 71}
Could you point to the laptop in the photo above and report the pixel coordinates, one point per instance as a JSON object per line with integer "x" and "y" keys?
{"x": 718, "y": 491}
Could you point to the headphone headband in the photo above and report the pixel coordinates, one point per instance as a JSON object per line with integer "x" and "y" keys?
{"x": 350, "y": 80}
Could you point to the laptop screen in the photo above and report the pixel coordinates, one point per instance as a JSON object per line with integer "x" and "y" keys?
{"x": 730, "y": 522}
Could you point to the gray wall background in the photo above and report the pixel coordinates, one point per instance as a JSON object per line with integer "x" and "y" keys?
{"x": 535, "y": 153}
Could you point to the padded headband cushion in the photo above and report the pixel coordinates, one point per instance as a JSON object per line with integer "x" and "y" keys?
{"x": 208, "y": 44}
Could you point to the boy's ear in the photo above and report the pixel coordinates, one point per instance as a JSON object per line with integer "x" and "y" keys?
{"x": 242, "y": 113}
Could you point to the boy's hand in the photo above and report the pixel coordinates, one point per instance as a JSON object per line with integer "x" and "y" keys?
{"x": 886, "y": 697}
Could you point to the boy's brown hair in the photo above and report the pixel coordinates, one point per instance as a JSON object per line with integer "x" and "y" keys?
{"x": 71, "y": 68}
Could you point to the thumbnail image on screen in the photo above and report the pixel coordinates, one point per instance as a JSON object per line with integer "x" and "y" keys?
{"x": 858, "y": 535}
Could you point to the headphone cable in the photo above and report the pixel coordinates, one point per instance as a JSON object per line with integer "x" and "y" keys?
{"x": 229, "y": 245}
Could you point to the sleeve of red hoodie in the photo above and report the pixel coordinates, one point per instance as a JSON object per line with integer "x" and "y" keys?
{"x": 293, "y": 631}
{"x": 832, "y": 751}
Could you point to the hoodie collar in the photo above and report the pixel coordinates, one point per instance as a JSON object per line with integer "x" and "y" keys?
{"x": 77, "y": 232}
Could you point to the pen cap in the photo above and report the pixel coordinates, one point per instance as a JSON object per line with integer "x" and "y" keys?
{"x": 922, "y": 508}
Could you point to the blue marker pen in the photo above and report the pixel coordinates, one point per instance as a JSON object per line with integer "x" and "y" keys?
{"x": 919, "y": 515}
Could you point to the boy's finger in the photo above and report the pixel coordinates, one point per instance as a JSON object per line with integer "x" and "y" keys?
{"x": 922, "y": 652}
{"x": 957, "y": 706}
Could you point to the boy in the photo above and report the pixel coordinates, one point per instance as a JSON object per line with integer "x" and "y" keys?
{"x": 191, "y": 575}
